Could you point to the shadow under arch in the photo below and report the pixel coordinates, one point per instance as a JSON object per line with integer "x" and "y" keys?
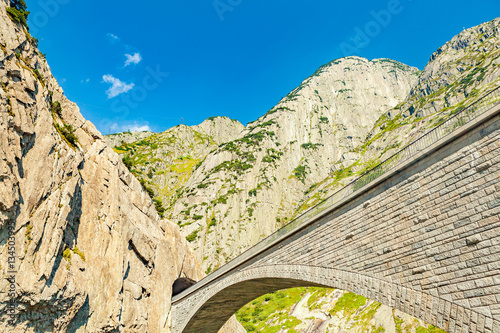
{"x": 213, "y": 305}
{"x": 182, "y": 284}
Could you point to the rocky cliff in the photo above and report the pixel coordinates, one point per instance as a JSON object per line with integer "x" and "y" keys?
{"x": 89, "y": 251}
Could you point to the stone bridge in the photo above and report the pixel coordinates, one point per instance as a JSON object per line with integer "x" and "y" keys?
{"x": 422, "y": 236}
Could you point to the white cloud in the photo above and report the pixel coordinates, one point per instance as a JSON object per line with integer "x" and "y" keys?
{"x": 117, "y": 87}
{"x": 133, "y": 59}
{"x": 85, "y": 81}
{"x": 113, "y": 38}
{"x": 133, "y": 127}
{"x": 139, "y": 128}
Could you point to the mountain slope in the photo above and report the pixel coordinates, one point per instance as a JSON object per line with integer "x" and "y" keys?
{"x": 164, "y": 162}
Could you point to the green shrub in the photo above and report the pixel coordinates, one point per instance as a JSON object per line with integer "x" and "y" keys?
{"x": 19, "y": 16}
{"x": 41, "y": 79}
{"x": 148, "y": 189}
{"x": 55, "y": 107}
{"x": 192, "y": 236}
{"x": 197, "y": 217}
{"x": 68, "y": 132}
{"x": 128, "y": 162}
{"x": 222, "y": 200}
{"x": 300, "y": 172}
{"x": 310, "y": 145}
{"x": 159, "y": 207}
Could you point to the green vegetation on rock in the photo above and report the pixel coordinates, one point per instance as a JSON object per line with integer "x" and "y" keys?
{"x": 348, "y": 304}
{"x": 18, "y": 12}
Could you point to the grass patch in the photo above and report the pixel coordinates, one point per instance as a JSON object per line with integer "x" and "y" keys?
{"x": 39, "y": 76}
{"x": 29, "y": 228}
{"x": 67, "y": 255}
{"x": 9, "y": 103}
{"x": 255, "y": 314}
{"x": 79, "y": 253}
{"x": 348, "y": 304}
{"x": 429, "y": 329}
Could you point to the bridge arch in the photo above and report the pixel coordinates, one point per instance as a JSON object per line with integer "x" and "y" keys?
{"x": 216, "y": 303}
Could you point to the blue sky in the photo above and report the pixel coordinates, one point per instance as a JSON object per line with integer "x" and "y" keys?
{"x": 156, "y": 64}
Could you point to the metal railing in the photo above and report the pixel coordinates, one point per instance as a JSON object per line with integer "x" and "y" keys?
{"x": 458, "y": 119}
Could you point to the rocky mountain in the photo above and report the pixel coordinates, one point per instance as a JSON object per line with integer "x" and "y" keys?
{"x": 164, "y": 162}
{"x": 458, "y": 73}
{"x": 346, "y": 118}
{"x": 228, "y": 193}
{"x": 87, "y": 247}
{"x": 128, "y": 137}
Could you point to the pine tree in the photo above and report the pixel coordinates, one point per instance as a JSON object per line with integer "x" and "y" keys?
{"x": 19, "y": 5}
{"x": 18, "y": 12}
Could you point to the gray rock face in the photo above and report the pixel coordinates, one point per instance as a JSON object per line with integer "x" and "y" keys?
{"x": 220, "y": 129}
{"x": 465, "y": 67}
{"x": 228, "y": 186}
{"x": 92, "y": 254}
